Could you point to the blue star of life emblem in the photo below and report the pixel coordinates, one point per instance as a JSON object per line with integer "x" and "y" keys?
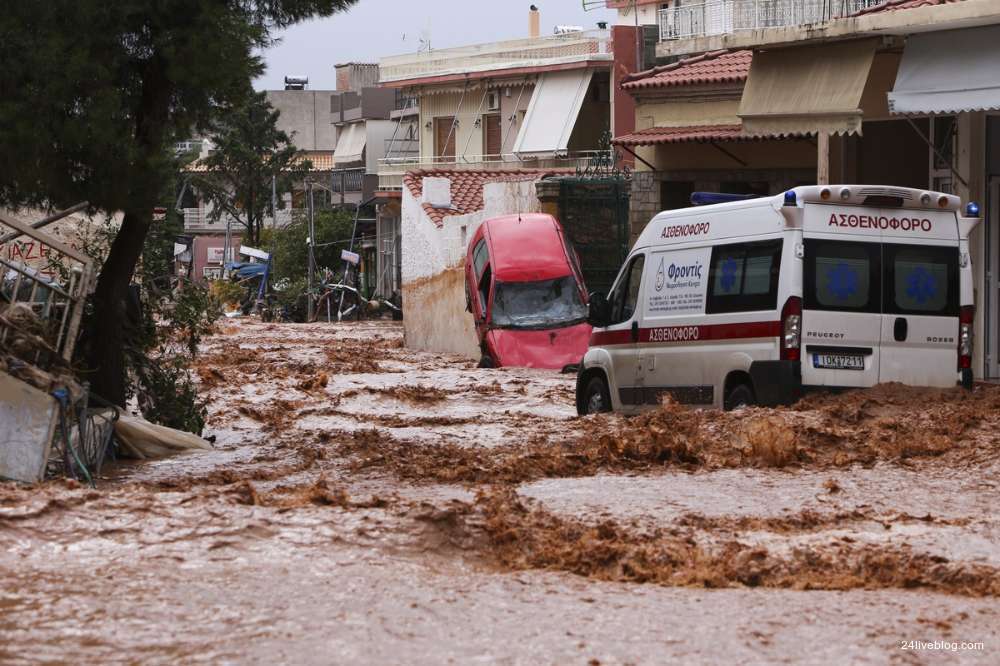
{"x": 842, "y": 281}
{"x": 921, "y": 285}
{"x": 729, "y": 268}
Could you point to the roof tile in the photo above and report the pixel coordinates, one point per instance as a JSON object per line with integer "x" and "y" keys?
{"x": 713, "y": 67}
{"x": 691, "y": 133}
{"x": 467, "y": 187}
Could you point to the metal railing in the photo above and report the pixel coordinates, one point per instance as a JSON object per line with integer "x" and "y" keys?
{"x": 483, "y": 57}
{"x": 392, "y": 169}
{"x": 719, "y": 17}
{"x": 348, "y": 180}
{"x": 41, "y": 299}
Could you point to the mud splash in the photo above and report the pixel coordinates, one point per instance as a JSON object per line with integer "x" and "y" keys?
{"x": 522, "y": 536}
{"x": 832, "y": 431}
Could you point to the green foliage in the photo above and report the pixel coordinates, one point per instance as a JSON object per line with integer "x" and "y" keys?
{"x": 252, "y": 158}
{"x": 193, "y": 314}
{"x": 225, "y": 292}
{"x": 93, "y": 94}
{"x": 291, "y": 254}
{"x": 169, "y": 397}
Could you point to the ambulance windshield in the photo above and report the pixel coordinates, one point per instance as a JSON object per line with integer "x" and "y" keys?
{"x": 542, "y": 304}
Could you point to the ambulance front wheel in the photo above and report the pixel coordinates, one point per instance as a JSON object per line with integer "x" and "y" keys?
{"x": 596, "y": 397}
{"x": 738, "y": 396}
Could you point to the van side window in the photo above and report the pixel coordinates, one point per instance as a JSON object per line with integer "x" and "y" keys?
{"x": 921, "y": 280}
{"x": 625, "y": 296}
{"x": 480, "y": 255}
{"x": 484, "y": 290}
{"x": 744, "y": 277}
{"x": 842, "y": 276}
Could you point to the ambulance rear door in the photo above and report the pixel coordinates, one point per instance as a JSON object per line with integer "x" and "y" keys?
{"x": 921, "y": 299}
{"x": 842, "y": 286}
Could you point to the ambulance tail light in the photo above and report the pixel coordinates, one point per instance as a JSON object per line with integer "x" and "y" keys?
{"x": 965, "y": 335}
{"x": 791, "y": 329}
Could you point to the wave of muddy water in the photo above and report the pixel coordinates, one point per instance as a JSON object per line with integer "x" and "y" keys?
{"x": 366, "y": 503}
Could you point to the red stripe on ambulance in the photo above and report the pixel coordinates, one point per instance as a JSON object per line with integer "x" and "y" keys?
{"x": 681, "y": 334}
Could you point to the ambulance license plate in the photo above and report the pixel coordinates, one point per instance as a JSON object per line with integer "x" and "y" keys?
{"x": 838, "y": 361}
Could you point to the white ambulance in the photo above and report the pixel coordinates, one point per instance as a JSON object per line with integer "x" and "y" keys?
{"x": 754, "y": 301}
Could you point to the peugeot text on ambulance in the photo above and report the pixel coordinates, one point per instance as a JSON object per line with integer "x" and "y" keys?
{"x": 752, "y": 301}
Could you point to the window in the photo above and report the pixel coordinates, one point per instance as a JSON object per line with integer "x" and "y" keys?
{"x": 542, "y": 304}
{"x": 625, "y": 295}
{"x": 484, "y": 289}
{"x": 480, "y": 256}
{"x": 842, "y": 276}
{"x": 921, "y": 280}
{"x": 744, "y": 277}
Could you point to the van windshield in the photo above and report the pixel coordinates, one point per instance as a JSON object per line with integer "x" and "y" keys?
{"x": 542, "y": 304}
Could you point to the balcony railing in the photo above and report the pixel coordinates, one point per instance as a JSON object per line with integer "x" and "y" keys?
{"x": 719, "y": 17}
{"x": 348, "y": 180}
{"x": 391, "y": 170}
{"x": 549, "y": 50}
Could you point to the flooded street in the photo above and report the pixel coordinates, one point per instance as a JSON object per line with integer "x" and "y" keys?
{"x": 367, "y": 503}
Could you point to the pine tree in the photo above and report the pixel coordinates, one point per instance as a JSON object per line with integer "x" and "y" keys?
{"x": 249, "y": 152}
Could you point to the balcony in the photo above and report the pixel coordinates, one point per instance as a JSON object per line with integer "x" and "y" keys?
{"x": 511, "y": 54}
{"x": 720, "y": 17}
{"x": 391, "y": 170}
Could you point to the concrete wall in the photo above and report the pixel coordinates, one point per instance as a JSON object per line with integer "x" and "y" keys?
{"x": 647, "y": 12}
{"x": 378, "y": 134}
{"x": 305, "y": 116}
{"x": 356, "y": 75}
{"x": 433, "y": 260}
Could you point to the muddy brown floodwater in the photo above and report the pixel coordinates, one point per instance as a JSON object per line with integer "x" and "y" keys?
{"x": 366, "y": 503}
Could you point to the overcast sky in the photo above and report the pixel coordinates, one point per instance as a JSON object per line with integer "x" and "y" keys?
{"x": 375, "y": 28}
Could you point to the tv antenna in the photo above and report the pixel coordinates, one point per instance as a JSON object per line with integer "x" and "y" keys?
{"x": 425, "y": 39}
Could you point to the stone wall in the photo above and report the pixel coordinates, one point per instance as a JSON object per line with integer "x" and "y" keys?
{"x": 644, "y": 203}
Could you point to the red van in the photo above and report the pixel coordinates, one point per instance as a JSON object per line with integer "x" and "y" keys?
{"x": 524, "y": 287}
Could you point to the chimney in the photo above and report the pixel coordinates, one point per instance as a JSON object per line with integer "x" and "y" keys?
{"x": 534, "y": 22}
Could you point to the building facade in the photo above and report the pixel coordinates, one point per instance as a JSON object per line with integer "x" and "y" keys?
{"x": 494, "y": 110}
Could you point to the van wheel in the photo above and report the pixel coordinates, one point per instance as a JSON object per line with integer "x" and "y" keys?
{"x": 596, "y": 397}
{"x": 740, "y": 395}
{"x": 486, "y": 362}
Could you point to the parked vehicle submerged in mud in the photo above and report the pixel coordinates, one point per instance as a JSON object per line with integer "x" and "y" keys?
{"x": 524, "y": 287}
{"x": 754, "y": 301}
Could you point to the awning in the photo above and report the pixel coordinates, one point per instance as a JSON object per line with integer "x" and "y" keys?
{"x": 552, "y": 112}
{"x": 807, "y": 89}
{"x": 350, "y": 144}
{"x": 949, "y": 72}
{"x": 655, "y": 136}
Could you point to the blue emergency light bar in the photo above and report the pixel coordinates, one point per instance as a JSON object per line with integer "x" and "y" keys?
{"x": 709, "y": 198}
{"x": 972, "y": 209}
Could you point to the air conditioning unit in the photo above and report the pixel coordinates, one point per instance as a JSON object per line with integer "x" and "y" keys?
{"x": 493, "y": 100}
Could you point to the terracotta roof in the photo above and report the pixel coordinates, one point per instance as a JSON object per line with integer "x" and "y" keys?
{"x": 894, "y": 5}
{"x": 467, "y": 187}
{"x": 692, "y": 133}
{"x": 713, "y": 67}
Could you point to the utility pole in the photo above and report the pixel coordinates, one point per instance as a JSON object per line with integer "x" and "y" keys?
{"x": 312, "y": 242}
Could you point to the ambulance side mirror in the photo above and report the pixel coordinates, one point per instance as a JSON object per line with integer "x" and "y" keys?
{"x": 600, "y": 310}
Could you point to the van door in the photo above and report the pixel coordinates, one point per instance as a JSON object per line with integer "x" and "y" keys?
{"x": 841, "y": 312}
{"x": 671, "y": 360}
{"x": 621, "y": 337}
{"x": 921, "y": 314}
